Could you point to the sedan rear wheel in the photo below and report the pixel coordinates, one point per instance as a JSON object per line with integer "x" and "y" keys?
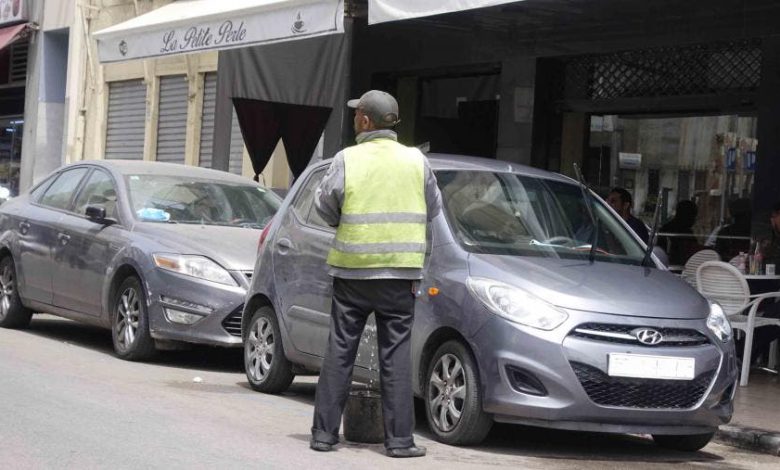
{"x": 267, "y": 369}
{"x": 12, "y": 313}
{"x": 453, "y": 398}
{"x": 130, "y": 328}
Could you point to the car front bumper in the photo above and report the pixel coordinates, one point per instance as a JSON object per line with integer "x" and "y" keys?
{"x": 219, "y": 307}
{"x": 578, "y": 394}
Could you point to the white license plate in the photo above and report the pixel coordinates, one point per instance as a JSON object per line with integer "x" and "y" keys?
{"x": 651, "y": 367}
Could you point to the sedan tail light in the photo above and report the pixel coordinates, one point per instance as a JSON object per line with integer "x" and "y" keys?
{"x": 263, "y": 236}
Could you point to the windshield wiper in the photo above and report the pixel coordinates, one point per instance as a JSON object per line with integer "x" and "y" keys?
{"x": 594, "y": 237}
{"x": 656, "y": 221}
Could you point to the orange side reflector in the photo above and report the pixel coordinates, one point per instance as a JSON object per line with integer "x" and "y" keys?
{"x": 433, "y": 291}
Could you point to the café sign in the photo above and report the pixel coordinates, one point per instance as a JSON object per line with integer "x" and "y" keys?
{"x": 263, "y": 26}
{"x": 12, "y": 11}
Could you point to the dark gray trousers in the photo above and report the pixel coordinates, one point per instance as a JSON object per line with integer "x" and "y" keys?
{"x": 392, "y": 302}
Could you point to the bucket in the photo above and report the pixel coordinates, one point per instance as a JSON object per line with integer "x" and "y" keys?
{"x": 363, "y": 417}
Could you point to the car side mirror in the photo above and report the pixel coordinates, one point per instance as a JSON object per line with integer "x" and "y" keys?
{"x": 97, "y": 214}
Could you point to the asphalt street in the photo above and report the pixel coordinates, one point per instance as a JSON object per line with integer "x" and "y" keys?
{"x": 67, "y": 402}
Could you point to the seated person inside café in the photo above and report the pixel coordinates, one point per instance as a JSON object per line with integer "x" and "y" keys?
{"x": 735, "y": 237}
{"x": 764, "y": 335}
{"x": 681, "y": 244}
{"x": 622, "y": 202}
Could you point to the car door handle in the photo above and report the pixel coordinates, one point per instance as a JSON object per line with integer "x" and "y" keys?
{"x": 24, "y": 227}
{"x": 284, "y": 245}
{"x": 64, "y": 238}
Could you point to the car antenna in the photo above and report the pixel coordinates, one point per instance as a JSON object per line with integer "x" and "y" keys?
{"x": 594, "y": 238}
{"x": 654, "y": 231}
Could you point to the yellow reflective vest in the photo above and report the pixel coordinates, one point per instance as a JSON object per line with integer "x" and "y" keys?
{"x": 384, "y": 213}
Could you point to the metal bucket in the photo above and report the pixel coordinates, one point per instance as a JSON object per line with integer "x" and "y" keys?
{"x": 363, "y": 417}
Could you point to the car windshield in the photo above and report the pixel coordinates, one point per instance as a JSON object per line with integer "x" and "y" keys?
{"x": 511, "y": 214}
{"x": 178, "y": 199}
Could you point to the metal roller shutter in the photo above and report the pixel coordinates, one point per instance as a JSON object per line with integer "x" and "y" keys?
{"x": 126, "y": 120}
{"x": 207, "y": 126}
{"x": 172, "y": 121}
{"x": 236, "y": 146}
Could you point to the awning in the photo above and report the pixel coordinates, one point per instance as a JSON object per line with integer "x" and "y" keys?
{"x": 10, "y": 34}
{"x": 198, "y": 25}
{"x": 380, "y": 11}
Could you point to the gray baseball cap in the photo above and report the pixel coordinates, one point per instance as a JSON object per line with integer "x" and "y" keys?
{"x": 379, "y": 106}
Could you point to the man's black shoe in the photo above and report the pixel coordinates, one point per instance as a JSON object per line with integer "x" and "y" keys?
{"x": 320, "y": 446}
{"x": 406, "y": 452}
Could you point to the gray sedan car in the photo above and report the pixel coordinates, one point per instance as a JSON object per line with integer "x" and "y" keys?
{"x": 527, "y": 314}
{"x": 159, "y": 253}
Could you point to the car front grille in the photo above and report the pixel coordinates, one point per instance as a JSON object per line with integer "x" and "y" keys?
{"x": 232, "y": 322}
{"x": 623, "y": 334}
{"x": 641, "y": 393}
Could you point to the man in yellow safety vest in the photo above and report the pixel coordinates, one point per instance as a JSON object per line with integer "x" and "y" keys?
{"x": 381, "y": 195}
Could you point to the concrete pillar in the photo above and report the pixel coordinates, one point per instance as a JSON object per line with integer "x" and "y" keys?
{"x": 767, "y": 174}
{"x": 516, "y": 110}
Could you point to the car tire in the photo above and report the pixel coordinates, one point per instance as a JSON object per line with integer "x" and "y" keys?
{"x": 266, "y": 366}
{"x": 12, "y": 313}
{"x": 687, "y": 443}
{"x": 453, "y": 397}
{"x": 130, "y": 322}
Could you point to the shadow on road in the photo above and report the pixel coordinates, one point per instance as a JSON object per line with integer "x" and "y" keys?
{"x": 516, "y": 441}
{"x": 196, "y": 357}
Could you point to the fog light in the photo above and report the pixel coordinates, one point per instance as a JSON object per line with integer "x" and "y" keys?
{"x": 525, "y": 382}
{"x": 189, "y": 306}
{"x": 184, "y": 318}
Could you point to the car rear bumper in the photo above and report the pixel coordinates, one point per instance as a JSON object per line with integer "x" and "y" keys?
{"x": 570, "y": 388}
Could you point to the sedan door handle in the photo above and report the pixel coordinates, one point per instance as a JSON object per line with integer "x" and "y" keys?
{"x": 64, "y": 238}
{"x": 284, "y": 245}
{"x": 24, "y": 227}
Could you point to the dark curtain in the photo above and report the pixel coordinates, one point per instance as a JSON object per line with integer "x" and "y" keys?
{"x": 293, "y": 90}
{"x": 263, "y": 123}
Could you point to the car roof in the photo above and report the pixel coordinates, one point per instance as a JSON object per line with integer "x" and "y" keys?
{"x": 140, "y": 167}
{"x": 453, "y": 162}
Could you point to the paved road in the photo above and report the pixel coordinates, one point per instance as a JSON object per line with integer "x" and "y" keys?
{"x": 67, "y": 402}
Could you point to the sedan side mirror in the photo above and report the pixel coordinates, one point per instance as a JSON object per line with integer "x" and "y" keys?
{"x": 97, "y": 214}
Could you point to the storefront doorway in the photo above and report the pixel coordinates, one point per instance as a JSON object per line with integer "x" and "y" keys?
{"x": 11, "y": 131}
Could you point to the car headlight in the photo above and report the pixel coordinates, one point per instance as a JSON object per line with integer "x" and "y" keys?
{"x": 194, "y": 266}
{"x": 516, "y": 304}
{"x": 718, "y": 323}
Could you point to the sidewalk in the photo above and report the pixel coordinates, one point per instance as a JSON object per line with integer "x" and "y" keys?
{"x": 756, "y": 422}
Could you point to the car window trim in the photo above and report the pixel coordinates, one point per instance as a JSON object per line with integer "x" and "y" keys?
{"x": 298, "y": 196}
{"x": 82, "y": 186}
{"x": 70, "y": 202}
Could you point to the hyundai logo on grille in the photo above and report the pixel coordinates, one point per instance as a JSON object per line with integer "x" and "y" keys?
{"x": 648, "y": 336}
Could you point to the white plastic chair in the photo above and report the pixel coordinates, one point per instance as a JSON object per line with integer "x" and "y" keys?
{"x": 693, "y": 263}
{"x": 723, "y": 283}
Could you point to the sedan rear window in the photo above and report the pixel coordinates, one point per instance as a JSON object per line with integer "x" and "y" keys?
{"x": 174, "y": 199}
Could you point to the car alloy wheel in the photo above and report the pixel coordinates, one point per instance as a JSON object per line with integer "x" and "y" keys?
{"x": 260, "y": 348}
{"x": 130, "y": 328}
{"x": 12, "y": 313}
{"x": 265, "y": 364}
{"x": 128, "y": 318}
{"x": 453, "y": 399}
{"x": 447, "y": 391}
{"x": 7, "y": 290}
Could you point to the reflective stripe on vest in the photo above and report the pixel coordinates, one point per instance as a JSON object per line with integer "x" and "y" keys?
{"x": 384, "y": 215}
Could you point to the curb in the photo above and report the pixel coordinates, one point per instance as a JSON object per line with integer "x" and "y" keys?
{"x": 757, "y": 440}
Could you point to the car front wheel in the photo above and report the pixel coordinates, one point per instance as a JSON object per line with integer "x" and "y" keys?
{"x": 453, "y": 398}
{"x": 267, "y": 369}
{"x": 687, "y": 443}
{"x": 130, "y": 322}
{"x": 12, "y": 313}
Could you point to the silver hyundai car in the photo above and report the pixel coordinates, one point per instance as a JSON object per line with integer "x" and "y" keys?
{"x": 159, "y": 253}
{"x": 539, "y": 307}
